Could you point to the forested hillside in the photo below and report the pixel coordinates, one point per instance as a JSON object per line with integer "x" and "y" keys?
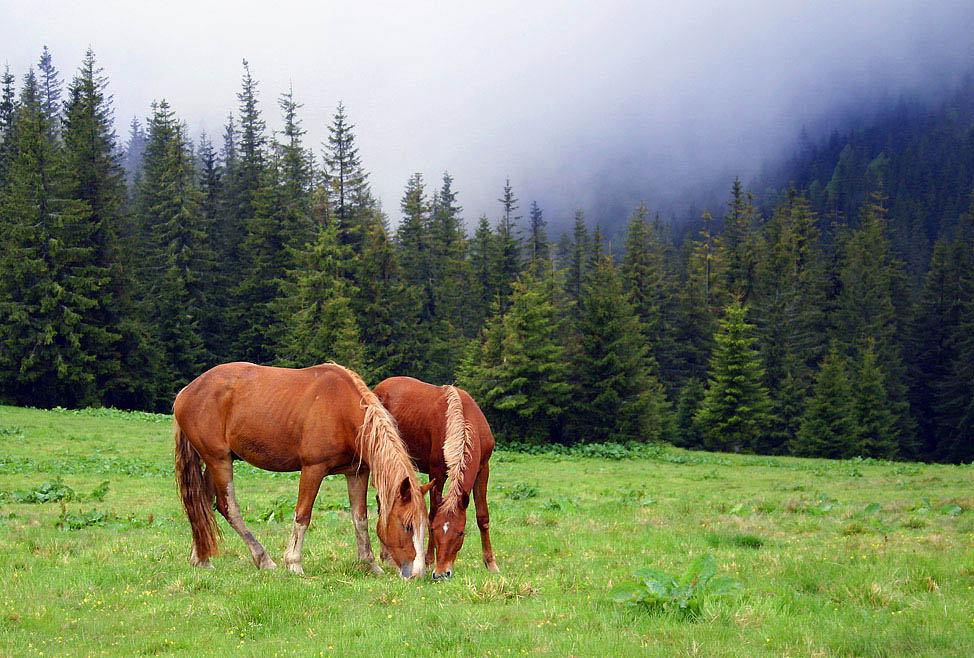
{"x": 832, "y": 317}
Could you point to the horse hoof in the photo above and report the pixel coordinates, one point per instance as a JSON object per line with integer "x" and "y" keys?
{"x": 377, "y": 570}
{"x": 295, "y": 568}
{"x": 492, "y": 567}
{"x": 203, "y": 564}
{"x": 267, "y": 564}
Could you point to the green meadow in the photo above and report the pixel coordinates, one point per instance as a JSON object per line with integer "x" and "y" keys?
{"x": 832, "y": 558}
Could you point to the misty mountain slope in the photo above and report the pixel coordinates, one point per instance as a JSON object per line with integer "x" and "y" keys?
{"x": 921, "y": 155}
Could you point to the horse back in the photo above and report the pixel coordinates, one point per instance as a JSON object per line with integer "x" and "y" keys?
{"x": 275, "y": 418}
{"x": 420, "y": 412}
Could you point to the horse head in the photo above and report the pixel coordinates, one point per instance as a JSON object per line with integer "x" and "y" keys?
{"x": 448, "y": 528}
{"x": 402, "y": 528}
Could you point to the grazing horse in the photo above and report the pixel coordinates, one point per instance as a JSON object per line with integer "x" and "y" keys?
{"x": 448, "y": 437}
{"x": 319, "y": 420}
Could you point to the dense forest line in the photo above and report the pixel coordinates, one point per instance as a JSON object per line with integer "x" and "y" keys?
{"x": 804, "y": 322}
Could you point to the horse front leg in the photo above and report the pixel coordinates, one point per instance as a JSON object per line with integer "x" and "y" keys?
{"x": 358, "y": 486}
{"x": 483, "y": 517}
{"x": 436, "y": 499}
{"x": 308, "y": 487}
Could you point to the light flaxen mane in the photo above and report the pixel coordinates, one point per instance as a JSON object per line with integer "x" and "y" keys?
{"x": 382, "y": 447}
{"x": 456, "y": 447}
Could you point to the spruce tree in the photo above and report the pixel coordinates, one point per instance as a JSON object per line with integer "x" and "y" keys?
{"x": 869, "y": 307}
{"x": 482, "y": 293}
{"x": 734, "y": 413}
{"x": 49, "y": 84}
{"x": 651, "y": 286}
{"x": 347, "y": 181}
{"x": 124, "y": 357}
{"x": 8, "y": 96}
{"x": 281, "y": 224}
{"x": 315, "y": 308}
{"x": 538, "y": 248}
{"x": 616, "y": 399}
{"x": 955, "y": 391}
{"x": 828, "y": 426}
{"x": 736, "y": 244}
{"x": 507, "y": 255}
{"x": 177, "y": 252}
{"x": 47, "y": 341}
{"x": 580, "y": 247}
{"x": 875, "y": 431}
{"x": 526, "y": 389}
{"x": 413, "y": 238}
{"x": 788, "y": 302}
{"x": 450, "y": 278}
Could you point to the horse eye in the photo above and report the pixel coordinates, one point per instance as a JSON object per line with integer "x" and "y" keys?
{"x": 409, "y": 527}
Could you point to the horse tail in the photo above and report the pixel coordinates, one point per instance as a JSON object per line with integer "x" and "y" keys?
{"x": 456, "y": 444}
{"x": 197, "y": 491}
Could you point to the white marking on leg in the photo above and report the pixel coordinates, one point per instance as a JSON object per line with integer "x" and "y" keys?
{"x": 292, "y": 556}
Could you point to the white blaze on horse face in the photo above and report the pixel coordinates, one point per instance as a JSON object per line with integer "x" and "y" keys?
{"x": 419, "y": 562}
{"x": 446, "y": 527}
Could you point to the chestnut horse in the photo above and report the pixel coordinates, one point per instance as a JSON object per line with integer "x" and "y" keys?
{"x": 319, "y": 420}
{"x": 448, "y": 437}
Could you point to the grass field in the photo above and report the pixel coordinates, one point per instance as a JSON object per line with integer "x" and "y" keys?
{"x": 822, "y": 571}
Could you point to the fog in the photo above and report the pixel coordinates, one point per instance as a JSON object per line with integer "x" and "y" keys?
{"x": 581, "y": 104}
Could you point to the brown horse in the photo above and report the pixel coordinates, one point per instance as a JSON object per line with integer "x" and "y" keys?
{"x": 319, "y": 421}
{"x": 448, "y": 437}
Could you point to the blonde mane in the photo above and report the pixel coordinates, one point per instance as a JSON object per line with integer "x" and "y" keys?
{"x": 457, "y": 446}
{"x": 385, "y": 452}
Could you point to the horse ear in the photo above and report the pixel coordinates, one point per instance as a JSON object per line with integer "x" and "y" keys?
{"x": 426, "y": 487}
{"x": 404, "y": 491}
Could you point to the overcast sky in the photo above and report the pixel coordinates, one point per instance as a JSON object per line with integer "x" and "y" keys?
{"x": 581, "y": 104}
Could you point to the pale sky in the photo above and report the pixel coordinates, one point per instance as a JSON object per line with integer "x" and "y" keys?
{"x": 581, "y": 104}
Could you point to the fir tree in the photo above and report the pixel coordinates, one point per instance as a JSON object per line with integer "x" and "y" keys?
{"x": 734, "y": 413}
{"x": 955, "y": 391}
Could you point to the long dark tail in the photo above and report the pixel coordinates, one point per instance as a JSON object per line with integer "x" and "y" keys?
{"x": 197, "y": 491}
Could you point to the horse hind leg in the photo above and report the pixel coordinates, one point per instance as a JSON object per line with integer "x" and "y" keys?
{"x": 226, "y": 504}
